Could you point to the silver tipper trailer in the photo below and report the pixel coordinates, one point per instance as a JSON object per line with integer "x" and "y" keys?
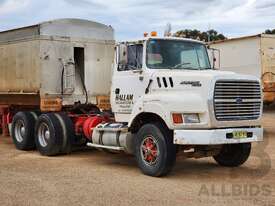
{"x": 56, "y": 63}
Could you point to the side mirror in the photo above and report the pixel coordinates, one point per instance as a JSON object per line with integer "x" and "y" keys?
{"x": 215, "y": 64}
{"x": 214, "y": 55}
{"x": 122, "y": 54}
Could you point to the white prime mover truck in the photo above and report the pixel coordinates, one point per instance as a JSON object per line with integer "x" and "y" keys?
{"x": 66, "y": 82}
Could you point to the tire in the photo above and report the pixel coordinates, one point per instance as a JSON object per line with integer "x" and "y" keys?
{"x": 22, "y": 131}
{"x": 48, "y": 135}
{"x": 35, "y": 114}
{"x": 233, "y": 155}
{"x": 157, "y": 158}
{"x": 68, "y": 133}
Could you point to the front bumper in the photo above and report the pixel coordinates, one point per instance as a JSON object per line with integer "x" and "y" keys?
{"x": 215, "y": 136}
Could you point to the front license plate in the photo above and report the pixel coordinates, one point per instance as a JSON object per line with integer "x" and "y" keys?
{"x": 239, "y": 134}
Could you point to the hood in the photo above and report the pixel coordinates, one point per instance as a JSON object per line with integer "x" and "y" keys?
{"x": 193, "y": 92}
{"x": 190, "y": 79}
{"x": 208, "y": 74}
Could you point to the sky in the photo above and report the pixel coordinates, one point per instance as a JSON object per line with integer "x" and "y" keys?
{"x": 131, "y": 18}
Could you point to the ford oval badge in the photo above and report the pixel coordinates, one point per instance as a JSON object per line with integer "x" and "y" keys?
{"x": 239, "y": 100}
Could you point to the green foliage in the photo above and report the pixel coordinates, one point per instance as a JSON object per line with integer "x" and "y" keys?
{"x": 198, "y": 35}
{"x": 269, "y": 31}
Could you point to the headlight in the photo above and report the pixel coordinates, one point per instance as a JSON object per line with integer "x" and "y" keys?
{"x": 191, "y": 118}
{"x": 179, "y": 118}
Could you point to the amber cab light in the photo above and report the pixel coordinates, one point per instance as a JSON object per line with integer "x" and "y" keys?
{"x": 154, "y": 33}
{"x": 177, "y": 118}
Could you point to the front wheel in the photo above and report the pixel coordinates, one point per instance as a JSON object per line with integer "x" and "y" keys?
{"x": 233, "y": 155}
{"x": 155, "y": 152}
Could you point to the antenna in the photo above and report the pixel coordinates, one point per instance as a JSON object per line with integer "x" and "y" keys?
{"x": 168, "y": 29}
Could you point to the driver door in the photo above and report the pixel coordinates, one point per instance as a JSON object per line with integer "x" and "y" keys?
{"x": 128, "y": 83}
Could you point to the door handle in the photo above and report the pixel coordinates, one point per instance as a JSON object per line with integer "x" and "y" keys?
{"x": 137, "y": 71}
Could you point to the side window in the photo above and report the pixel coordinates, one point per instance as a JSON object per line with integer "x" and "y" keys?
{"x": 134, "y": 58}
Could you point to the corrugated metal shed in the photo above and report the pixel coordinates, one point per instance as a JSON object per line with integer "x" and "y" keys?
{"x": 243, "y": 38}
{"x": 254, "y": 55}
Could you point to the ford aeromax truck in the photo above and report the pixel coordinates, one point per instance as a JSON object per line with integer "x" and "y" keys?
{"x": 165, "y": 100}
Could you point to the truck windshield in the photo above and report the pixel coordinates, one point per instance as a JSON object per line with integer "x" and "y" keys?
{"x": 176, "y": 54}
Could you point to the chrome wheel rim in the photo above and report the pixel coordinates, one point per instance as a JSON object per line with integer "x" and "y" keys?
{"x": 19, "y": 130}
{"x": 149, "y": 151}
{"x": 43, "y": 134}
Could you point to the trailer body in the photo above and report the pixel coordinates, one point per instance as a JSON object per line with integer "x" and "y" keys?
{"x": 52, "y": 62}
{"x": 252, "y": 55}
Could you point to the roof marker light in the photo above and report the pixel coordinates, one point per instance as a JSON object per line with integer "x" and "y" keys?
{"x": 154, "y": 33}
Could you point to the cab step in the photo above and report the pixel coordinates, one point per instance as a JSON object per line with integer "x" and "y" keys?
{"x": 105, "y": 147}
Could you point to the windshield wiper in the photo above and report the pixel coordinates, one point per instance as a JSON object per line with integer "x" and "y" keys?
{"x": 181, "y": 64}
{"x": 187, "y": 68}
{"x": 206, "y": 68}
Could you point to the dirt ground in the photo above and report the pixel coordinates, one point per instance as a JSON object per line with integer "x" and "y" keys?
{"x": 91, "y": 177}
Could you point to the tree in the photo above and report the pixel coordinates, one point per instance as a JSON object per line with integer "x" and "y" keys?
{"x": 269, "y": 31}
{"x": 211, "y": 35}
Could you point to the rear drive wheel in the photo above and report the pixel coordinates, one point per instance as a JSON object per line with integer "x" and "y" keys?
{"x": 233, "y": 155}
{"x": 48, "y": 135}
{"x": 22, "y": 131}
{"x": 68, "y": 134}
{"x": 155, "y": 151}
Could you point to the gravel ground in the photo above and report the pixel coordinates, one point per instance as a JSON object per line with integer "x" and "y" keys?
{"x": 90, "y": 177}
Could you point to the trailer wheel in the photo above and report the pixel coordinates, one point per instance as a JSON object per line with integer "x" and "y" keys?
{"x": 233, "y": 155}
{"x": 48, "y": 135}
{"x": 22, "y": 131}
{"x": 68, "y": 133}
{"x": 155, "y": 152}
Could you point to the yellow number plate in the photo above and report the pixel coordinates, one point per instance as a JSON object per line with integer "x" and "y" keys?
{"x": 239, "y": 135}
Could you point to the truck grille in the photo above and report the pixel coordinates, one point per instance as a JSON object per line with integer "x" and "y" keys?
{"x": 237, "y": 100}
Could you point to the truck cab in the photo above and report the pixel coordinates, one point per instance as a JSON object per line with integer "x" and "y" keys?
{"x": 170, "y": 97}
